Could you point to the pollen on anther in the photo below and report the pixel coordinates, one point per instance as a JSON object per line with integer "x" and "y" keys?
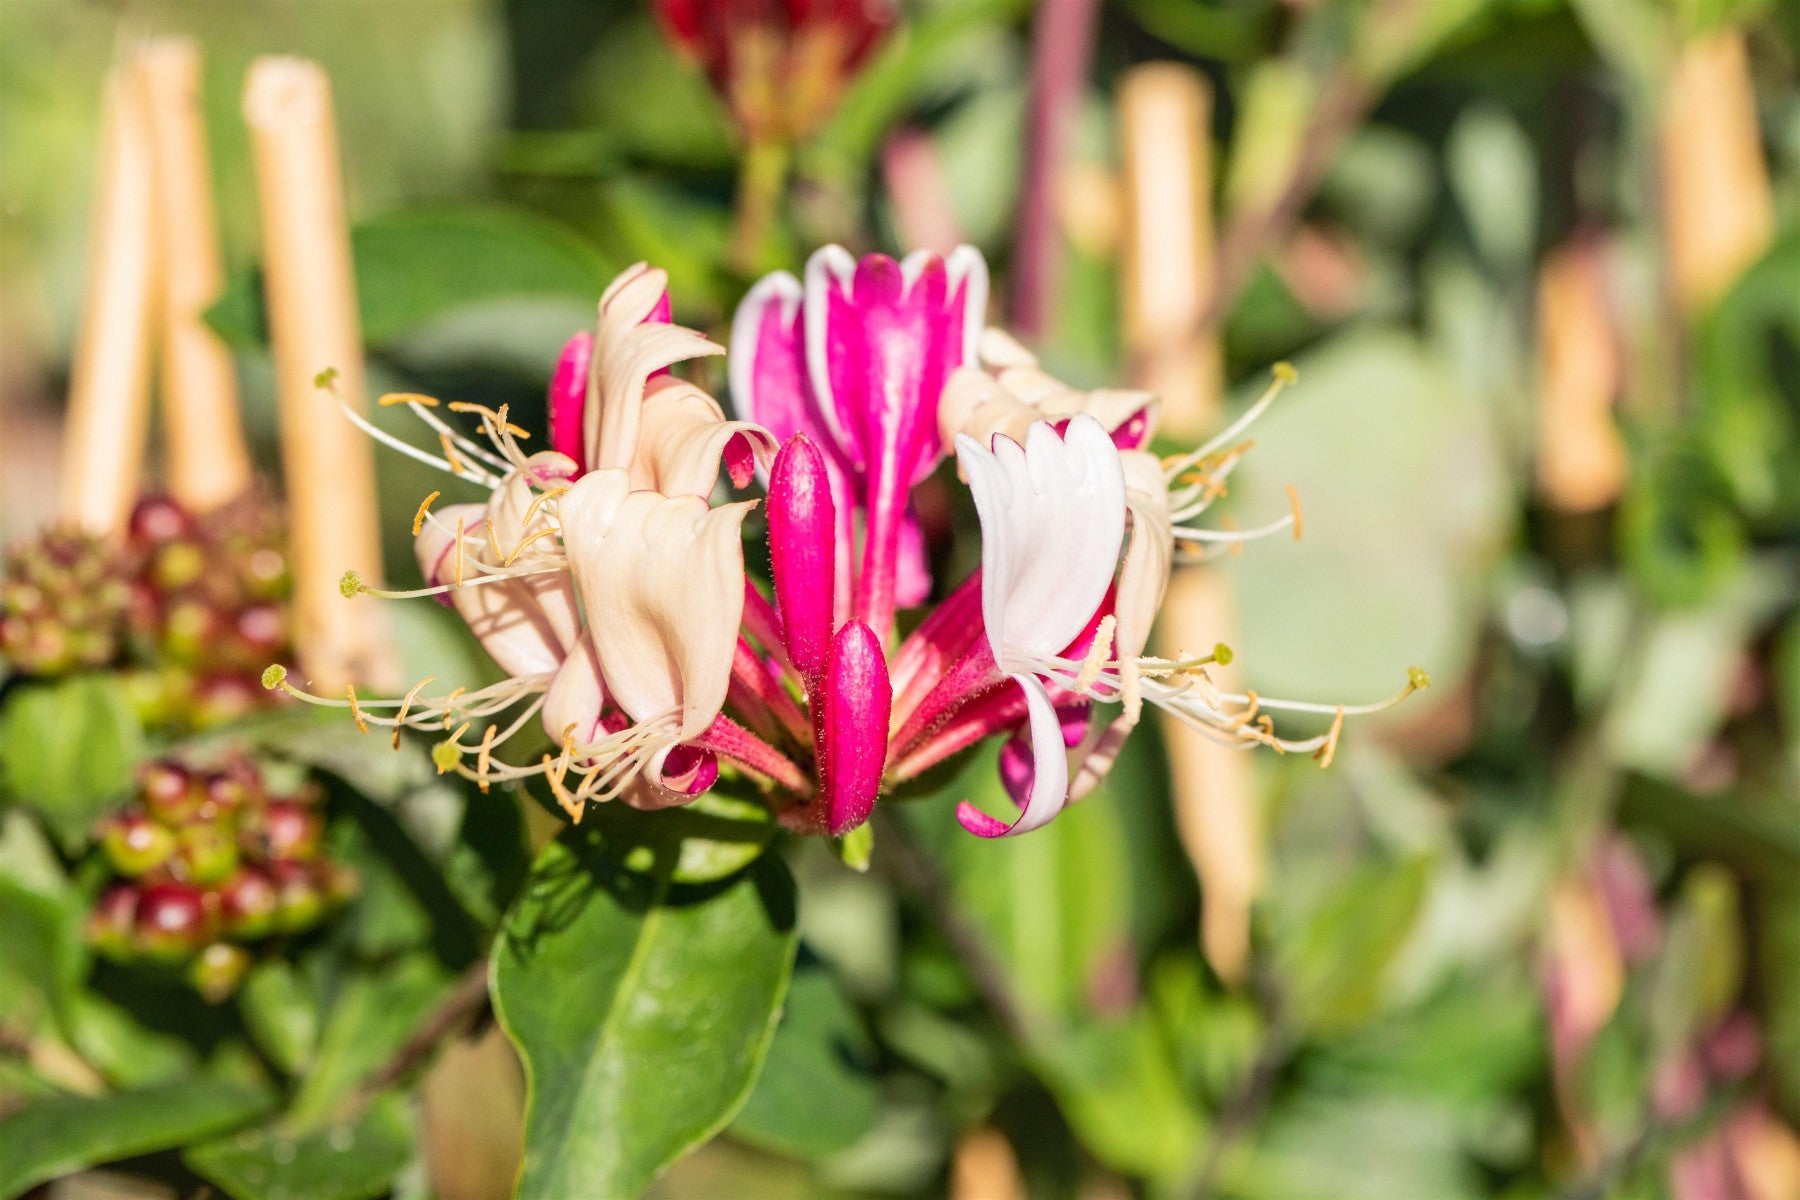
{"x": 393, "y": 398}
{"x": 424, "y": 507}
{"x": 355, "y": 710}
{"x": 1294, "y": 502}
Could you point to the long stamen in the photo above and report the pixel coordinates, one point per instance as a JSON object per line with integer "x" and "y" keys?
{"x": 328, "y": 382}
{"x": 1284, "y": 374}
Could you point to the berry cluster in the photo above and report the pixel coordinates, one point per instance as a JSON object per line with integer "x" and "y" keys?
{"x": 194, "y": 606}
{"x": 212, "y": 862}
{"x": 207, "y": 608}
{"x": 63, "y": 603}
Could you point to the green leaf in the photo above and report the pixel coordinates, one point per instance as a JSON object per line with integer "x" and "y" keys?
{"x": 815, "y": 1096}
{"x": 642, "y": 1010}
{"x": 370, "y": 1020}
{"x": 416, "y": 266}
{"x": 41, "y": 959}
{"x": 280, "y": 1014}
{"x": 1336, "y": 966}
{"x": 344, "y": 1162}
{"x": 69, "y": 751}
{"x": 58, "y": 1135}
{"x": 1118, "y": 1087}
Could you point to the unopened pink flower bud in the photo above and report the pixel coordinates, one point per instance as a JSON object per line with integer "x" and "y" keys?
{"x": 803, "y": 552}
{"x": 853, "y": 727}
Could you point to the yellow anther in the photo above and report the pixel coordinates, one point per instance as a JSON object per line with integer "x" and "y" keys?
{"x": 537, "y": 502}
{"x": 1285, "y": 373}
{"x": 520, "y": 548}
{"x": 1097, "y": 654}
{"x": 1294, "y": 501}
{"x": 482, "y": 758}
{"x": 424, "y": 507}
{"x": 459, "y": 551}
{"x": 393, "y": 398}
{"x": 1328, "y": 751}
{"x": 356, "y": 712}
{"x": 493, "y": 542}
{"x": 450, "y": 456}
{"x": 400, "y": 718}
{"x": 450, "y": 705}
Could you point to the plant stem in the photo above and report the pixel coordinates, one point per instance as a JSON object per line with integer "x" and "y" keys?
{"x": 467, "y": 998}
{"x": 897, "y": 857}
{"x": 762, "y": 181}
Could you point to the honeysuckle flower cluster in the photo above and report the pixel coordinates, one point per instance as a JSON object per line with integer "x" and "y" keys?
{"x": 606, "y": 574}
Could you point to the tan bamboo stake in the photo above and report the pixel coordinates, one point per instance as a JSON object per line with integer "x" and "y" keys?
{"x": 1166, "y": 146}
{"x": 472, "y": 1106}
{"x": 327, "y": 464}
{"x": 1718, "y": 215}
{"x": 203, "y": 431}
{"x": 109, "y": 387}
{"x": 1169, "y": 271}
{"x": 1581, "y": 463}
{"x": 985, "y": 1168}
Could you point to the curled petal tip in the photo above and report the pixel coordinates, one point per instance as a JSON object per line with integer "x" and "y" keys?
{"x": 979, "y": 823}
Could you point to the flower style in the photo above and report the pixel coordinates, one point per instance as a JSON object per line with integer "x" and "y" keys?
{"x": 779, "y": 64}
{"x": 601, "y": 577}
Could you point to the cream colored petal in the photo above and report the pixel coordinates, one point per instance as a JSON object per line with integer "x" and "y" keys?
{"x": 575, "y": 697}
{"x": 663, "y": 587}
{"x": 526, "y": 624}
{"x": 682, "y": 437}
{"x": 1148, "y": 556}
{"x": 626, "y": 353}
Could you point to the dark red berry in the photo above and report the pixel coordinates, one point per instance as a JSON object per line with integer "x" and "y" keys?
{"x": 157, "y": 519}
{"x": 169, "y": 792}
{"x": 249, "y": 902}
{"x": 291, "y": 830}
{"x": 301, "y": 903}
{"x": 171, "y": 920}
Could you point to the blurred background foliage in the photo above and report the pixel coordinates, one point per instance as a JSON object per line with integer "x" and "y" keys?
{"x": 1537, "y": 934}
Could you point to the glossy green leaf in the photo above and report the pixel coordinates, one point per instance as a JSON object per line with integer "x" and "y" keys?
{"x": 370, "y": 1019}
{"x": 352, "y": 1161}
{"x": 416, "y": 266}
{"x": 69, "y": 749}
{"x": 642, "y": 1010}
{"x": 58, "y": 1135}
{"x": 815, "y": 1095}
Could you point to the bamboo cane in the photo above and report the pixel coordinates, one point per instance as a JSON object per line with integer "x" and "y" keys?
{"x": 328, "y": 465}
{"x": 109, "y": 388}
{"x": 1718, "y": 215}
{"x": 1169, "y": 273}
{"x": 1581, "y": 462}
{"x": 203, "y": 431}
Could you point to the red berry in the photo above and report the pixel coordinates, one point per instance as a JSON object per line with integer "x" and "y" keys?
{"x": 301, "y": 902}
{"x": 171, "y": 920}
{"x": 232, "y": 789}
{"x": 291, "y": 830}
{"x": 222, "y": 698}
{"x": 169, "y": 792}
{"x": 249, "y": 902}
{"x": 135, "y": 844}
{"x": 157, "y": 519}
{"x": 110, "y": 923}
